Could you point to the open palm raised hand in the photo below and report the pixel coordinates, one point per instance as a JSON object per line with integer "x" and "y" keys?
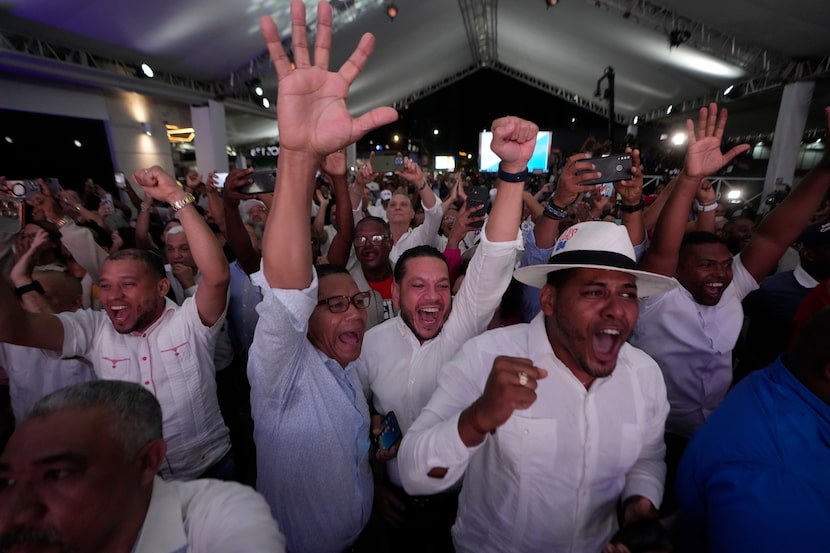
{"x": 704, "y": 157}
{"x": 311, "y": 106}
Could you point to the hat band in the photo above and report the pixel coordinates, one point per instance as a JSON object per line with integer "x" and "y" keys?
{"x": 594, "y": 257}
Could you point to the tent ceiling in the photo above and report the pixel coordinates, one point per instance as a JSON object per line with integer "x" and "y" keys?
{"x": 434, "y": 42}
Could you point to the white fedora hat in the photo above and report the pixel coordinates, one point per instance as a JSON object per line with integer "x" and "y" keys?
{"x": 596, "y": 245}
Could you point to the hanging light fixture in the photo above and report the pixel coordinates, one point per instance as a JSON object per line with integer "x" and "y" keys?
{"x": 392, "y": 11}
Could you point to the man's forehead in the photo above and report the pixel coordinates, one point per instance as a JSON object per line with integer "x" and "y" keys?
{"x": 709, "y": 250}
{"x": 68, "y": 431}
{"x": 369, "y": 228}
{"x": 336, "y": 284}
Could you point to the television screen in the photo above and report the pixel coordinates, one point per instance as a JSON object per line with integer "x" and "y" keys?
{"x": 444, "y": 163}
{"x": 488, "y": 162}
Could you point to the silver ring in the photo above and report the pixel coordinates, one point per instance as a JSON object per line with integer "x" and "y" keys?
{"x": 522, "y": 378}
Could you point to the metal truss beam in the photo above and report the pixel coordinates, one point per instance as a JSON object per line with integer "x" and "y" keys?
{"x": 480, "y": 25}
{"x": 585, "y": 103}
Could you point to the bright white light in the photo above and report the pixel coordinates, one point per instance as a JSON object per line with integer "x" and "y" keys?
{"x": 573, "y": 119}
{"x": 378, "y": 147}
{"x": 636, "y": 119}
{"x": 728, "y": 90}
{"x": 664, "y": 136}
{"x": 396, "y": 138}
{"x": 147, "y": 70}
{"x": 678, "y": 139}
{"x": 9, "y": 139}
{"x": 78, "y": 144}
{"x": 733, "y": 195}
{"x": 469, "y": 156}
{"x": 266, "y": 103}
{"x": 258, "y": 91}
{"x": 435, "y": 132}
{"x": 668, "y": 109}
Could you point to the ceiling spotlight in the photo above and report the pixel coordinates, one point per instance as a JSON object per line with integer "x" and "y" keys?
{"x": 266, "y": 103}
{"x": 145, "y": 128}
{"x": 551, "y": 3}
{"x": 668, "y": 109}
{"x": 678, "y": 139}
{"x": 636, "y": 119}
{"x": 678, "y": 37}
{"x": 147, "y": 71}
{"x": 77, "y": 143}
{"x": 435, "y": 132}
{"x": 255, "y": 86}
{"x": 728, "y": 90}
{"x": 9, "y": 140}
{"x": 392, "y": 11}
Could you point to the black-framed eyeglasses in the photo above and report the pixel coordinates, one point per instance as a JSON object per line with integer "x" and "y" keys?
{"x": 339, "y": 304}
{"x": 376, "y": 239}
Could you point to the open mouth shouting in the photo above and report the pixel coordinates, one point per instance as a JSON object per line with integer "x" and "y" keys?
{"x": 606, "y": 344}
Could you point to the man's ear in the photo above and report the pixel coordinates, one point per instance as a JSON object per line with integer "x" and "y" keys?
{"x": 396, "y": 296}
{"x": 163, "y": 287}
{"x": 547, "y": 299}
{"x": 150, "y": 457}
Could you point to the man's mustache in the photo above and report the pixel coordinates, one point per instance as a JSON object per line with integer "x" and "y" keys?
{"x": 24, "y": 535}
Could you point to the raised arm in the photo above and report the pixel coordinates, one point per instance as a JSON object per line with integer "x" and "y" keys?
{"x": 314, "y": 122}
{"x": 568, "y": 189}
{"x": 703, "y": 159}
{"x": 631, "y": 194}
{"x": 21, "y": 273}
{"x": 237, "y": 236}
{"x": 211, "y": 296}
{"x": 412, "y": 173}
{"x": 335, "y": 167}
{"x": 513, "y": 141}
{"x": 783, "y": 225}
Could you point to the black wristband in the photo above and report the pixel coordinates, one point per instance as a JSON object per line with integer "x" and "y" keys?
{"x": 633, "y": 208}
{"x": 513, "y": 177}
{"x": 32, "y": 286}
{"x": 553, "y": 211}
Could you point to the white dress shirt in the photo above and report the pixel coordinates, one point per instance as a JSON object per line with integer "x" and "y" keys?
{"x": 693, "y": 345}
{"x": 401, "y": 372}
{"x": 549, "y": 479}
{"x": 207, "y": 516}
{"x": 173, "y": 359}
{"x": 34, "y": 373}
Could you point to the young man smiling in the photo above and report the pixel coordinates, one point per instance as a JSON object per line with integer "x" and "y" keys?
{"x": 403, "y": 356}
{"x": 553, "y": 422}
{"x": 145, "y": 338}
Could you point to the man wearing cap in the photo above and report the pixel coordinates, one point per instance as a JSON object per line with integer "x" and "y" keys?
{"x": 551, "y": 423}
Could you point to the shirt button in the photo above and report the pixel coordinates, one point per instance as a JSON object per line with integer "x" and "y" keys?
{"x": 144, "y": 358}
{"x": 146, "y": 382}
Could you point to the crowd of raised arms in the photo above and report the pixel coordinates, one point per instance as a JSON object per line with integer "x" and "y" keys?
{"x": 369, "y": 363}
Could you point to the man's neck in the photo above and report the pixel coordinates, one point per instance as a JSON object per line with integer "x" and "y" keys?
{"x": 378, "y": 274}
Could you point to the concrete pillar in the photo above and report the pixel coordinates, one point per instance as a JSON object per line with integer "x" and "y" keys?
{"x": 789, "y": 129}
{"x": 211, "y": 140}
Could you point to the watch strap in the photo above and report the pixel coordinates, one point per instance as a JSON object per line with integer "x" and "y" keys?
{"x": 33, "y": 286}
{"x": 521, "y": 176}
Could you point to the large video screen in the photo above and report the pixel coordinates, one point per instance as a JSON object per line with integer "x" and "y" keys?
{"x": 444, "y": 163}
{"x": 488, "y": 162}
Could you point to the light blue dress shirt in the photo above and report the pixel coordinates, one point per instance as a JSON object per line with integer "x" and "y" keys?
{"x": 311, "y": 428}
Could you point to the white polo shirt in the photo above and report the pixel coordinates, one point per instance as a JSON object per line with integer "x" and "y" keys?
{"x": 173, "y": 359}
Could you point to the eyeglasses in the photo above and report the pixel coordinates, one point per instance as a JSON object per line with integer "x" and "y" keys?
{"x": 376, "y": 239}
{"x": 339, "y": 304}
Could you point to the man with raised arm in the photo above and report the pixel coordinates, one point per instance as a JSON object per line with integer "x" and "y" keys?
{"x": 553, "y": 423}
{"x": 403, "y": 356}
{"x": 310, "y": 415}
{"x": 692, "y": 330}
{"x": 143, "y": 337}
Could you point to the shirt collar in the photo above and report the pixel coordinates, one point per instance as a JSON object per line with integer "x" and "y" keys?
{"x": 169, "y": 305}
{"x": 803, "y": 277}
{"x": 163, "y": 529}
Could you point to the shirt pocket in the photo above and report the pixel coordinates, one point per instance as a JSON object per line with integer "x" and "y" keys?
{"x": 117, "y": 364}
